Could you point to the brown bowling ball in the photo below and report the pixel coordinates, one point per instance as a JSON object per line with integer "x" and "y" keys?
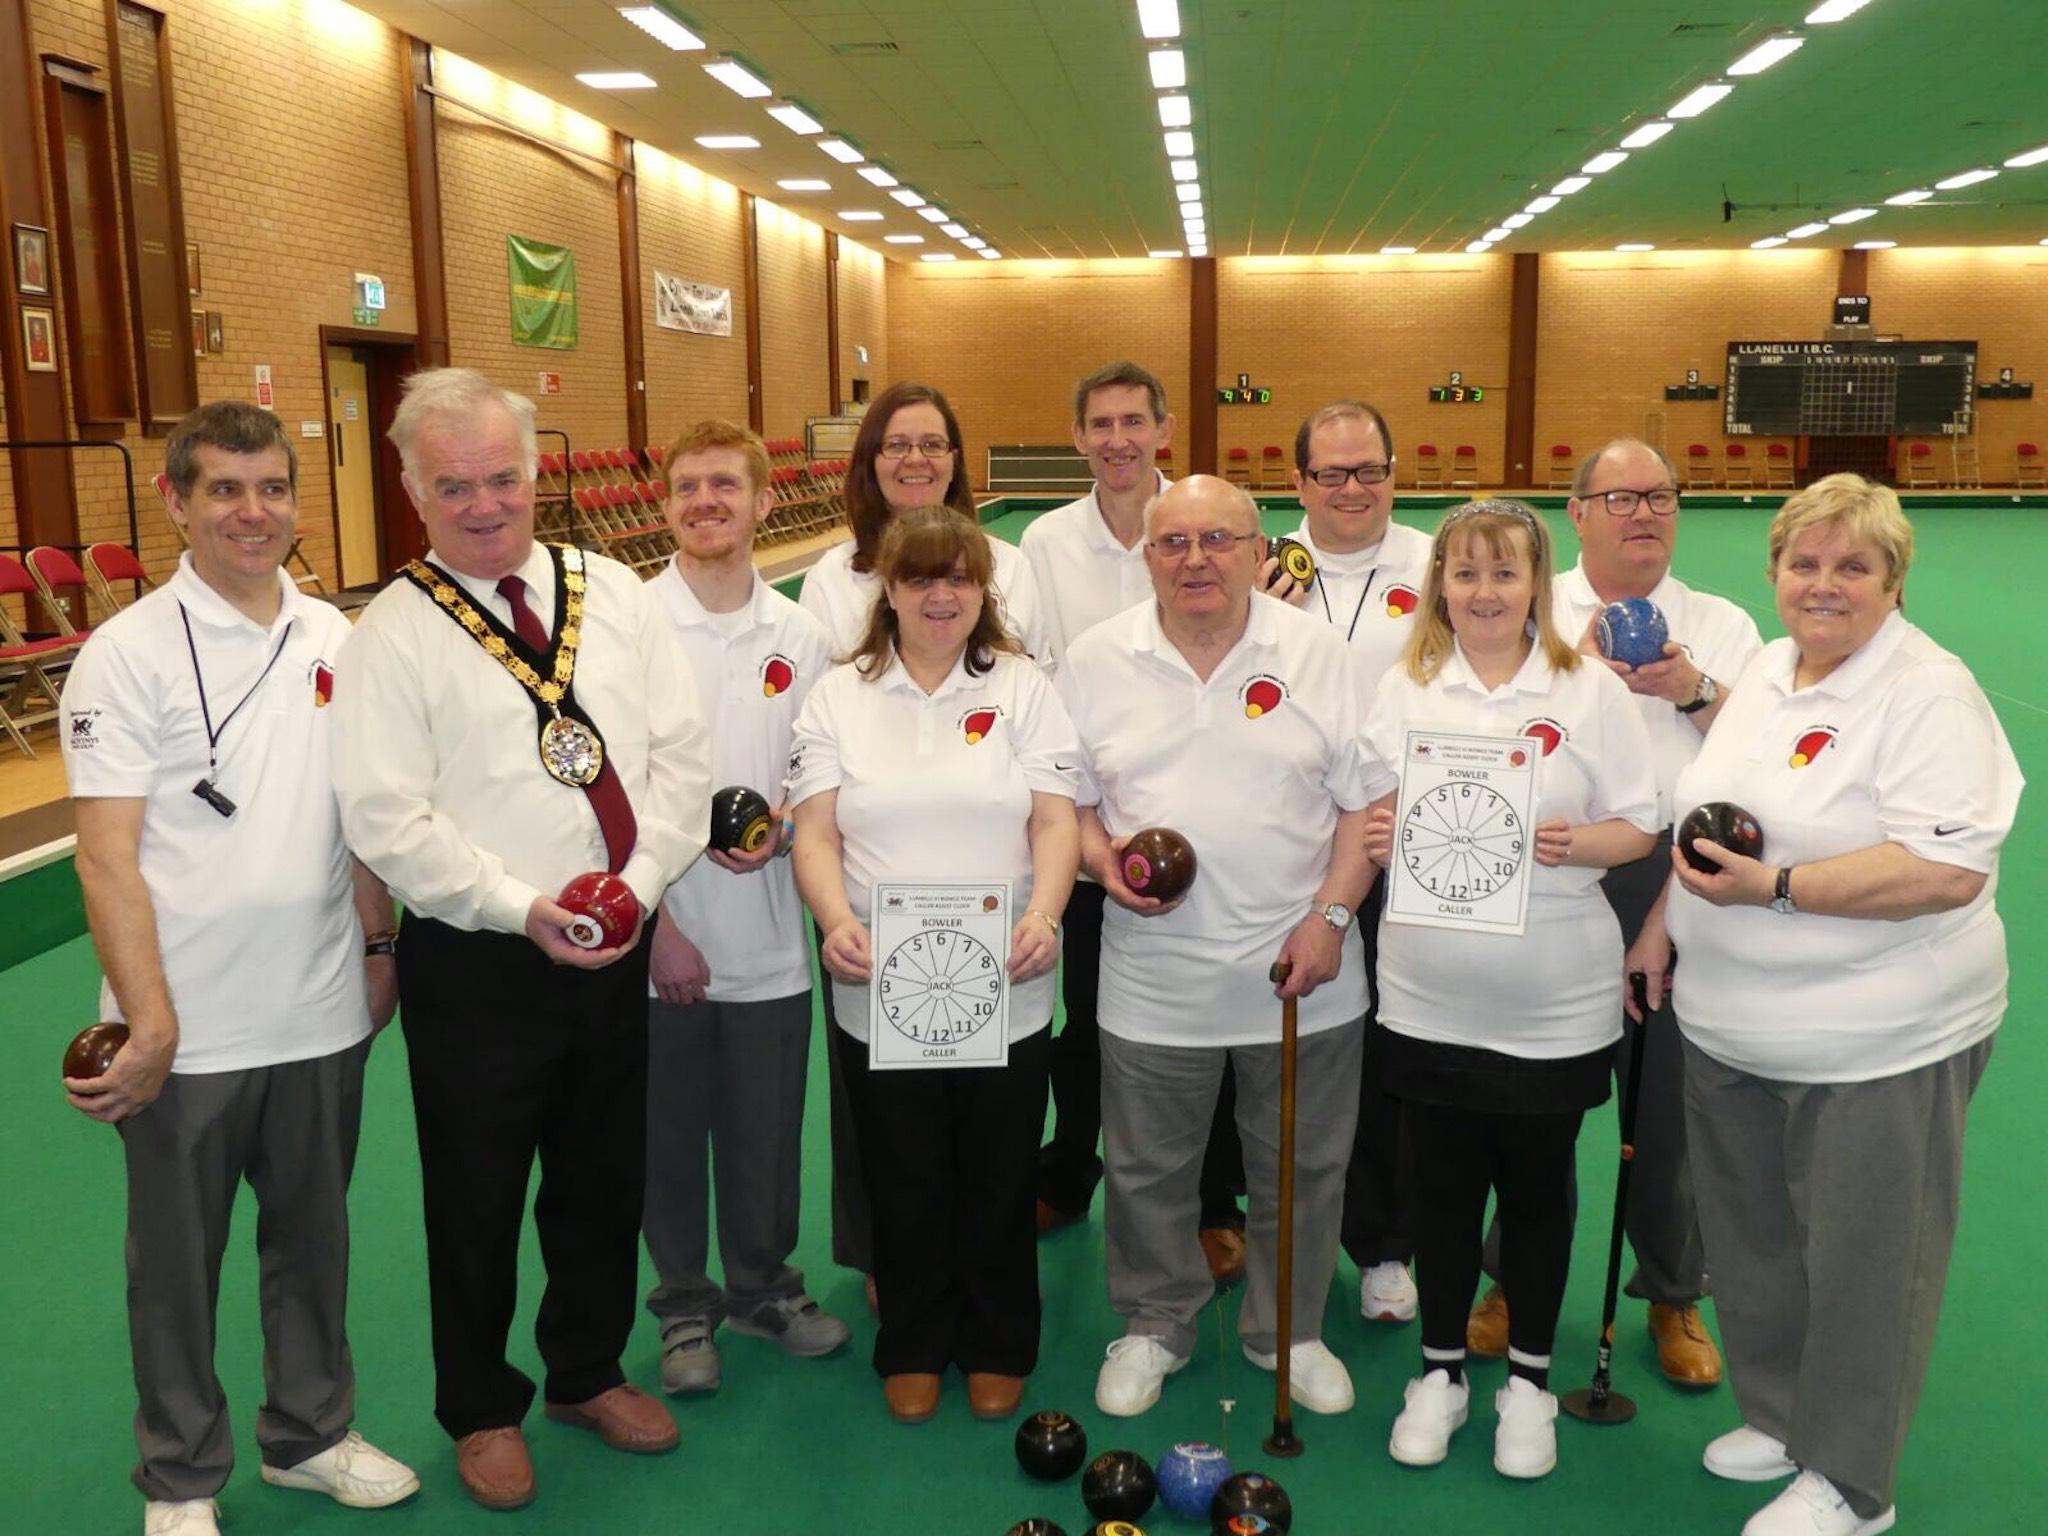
{"x": 92, "y": 1050}
{"x": 1159, "y": 864}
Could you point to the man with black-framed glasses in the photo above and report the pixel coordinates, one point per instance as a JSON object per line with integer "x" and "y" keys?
{"x": 1625, "y": 506}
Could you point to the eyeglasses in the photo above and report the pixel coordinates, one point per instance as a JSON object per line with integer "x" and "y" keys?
{"x": 1331, "y": 477}
{"x": 1623, "y": 503}
{"x": 1214, "y": 541}
{"x": 901, "y": 447}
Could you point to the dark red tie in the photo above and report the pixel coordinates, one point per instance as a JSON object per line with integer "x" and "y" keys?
{"x": 607, "y": 794}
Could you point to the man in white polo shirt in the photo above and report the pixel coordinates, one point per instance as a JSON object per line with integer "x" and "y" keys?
{"x": 729, "y": 1029}
{"x": 230, "y": 922}
{"x": 1233, "y": 720}
{"x": 1624, "y": 507}
{"x": 1369, "y": 572}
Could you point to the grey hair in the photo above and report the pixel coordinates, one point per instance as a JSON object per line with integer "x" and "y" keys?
{"x": 1591, "y": 462}
{"x": 1237, "y": 495}
{"x": 461, "y": 393}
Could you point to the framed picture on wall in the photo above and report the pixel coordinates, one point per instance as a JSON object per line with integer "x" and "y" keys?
{"x": 216, "y": 332}
{"x": 199, "y": 333}
{"x": 32, "y": 260}
{"x": 192, "y": 282}
{"x": 39, "y": 339}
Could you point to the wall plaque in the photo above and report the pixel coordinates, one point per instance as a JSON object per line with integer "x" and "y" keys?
{"x": 158, "y": 288}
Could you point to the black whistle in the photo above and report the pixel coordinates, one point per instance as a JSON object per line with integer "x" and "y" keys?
{"x": 206, "y": 791}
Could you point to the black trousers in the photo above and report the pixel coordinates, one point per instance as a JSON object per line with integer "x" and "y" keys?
{"x": 1527, "y": 1160}
{"x": 948, "y": 1158}
{"x": 513, "y": 1056}
{"x": 1069, "y": 1166}
{"x": 1378, "y": 1204}
{"x": 853, "y": 1238}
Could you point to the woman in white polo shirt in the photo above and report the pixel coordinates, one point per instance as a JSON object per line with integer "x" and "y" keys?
{"x": 1838, "y": 1001}
{"x": 940, "y": 752}
{"x": 1498, "y": 1044}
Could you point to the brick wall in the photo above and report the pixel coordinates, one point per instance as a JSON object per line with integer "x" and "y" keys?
{"x": 795, "y": 373}
{"x": 863, "y": 318}
{"x": 690, "y": 228}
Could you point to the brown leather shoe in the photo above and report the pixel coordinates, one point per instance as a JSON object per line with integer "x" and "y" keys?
{"x": 1051, "y": 1218}
{"x": 494, "y": 1467}
{"x": 624, "y": 1418}
{"x": 1223, "y": 1247}
{"x": 990, "y": 1396}
{"x": 1486, "y": 1330}
{"x": 913, "y": 1396}
{"x": 1684, "y": 1349}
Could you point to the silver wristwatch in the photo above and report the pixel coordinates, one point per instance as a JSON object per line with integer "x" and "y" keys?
{"x": 1337, "y": 915}
{"x": 1781, "y": 895}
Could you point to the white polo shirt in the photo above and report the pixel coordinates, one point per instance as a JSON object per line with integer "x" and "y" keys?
{"x": 754, "y": 667}
{"x": 1253, "y": 768}
{"x": 936, "y": 787}
{"x": 842, "y": 598}
{"x": 1083, "y": 575}
{"x": 1555, "y": 991}
{"x": 255, "y": 916}
{"x": 1371, "y": 594}
{"x": 1719, "y": 637}
{"x": 1898, "y": 744}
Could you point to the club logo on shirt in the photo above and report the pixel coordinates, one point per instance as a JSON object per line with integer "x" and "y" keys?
{"x": 778, "y": 672}
{"x": 1811, "y": 743}
{"x": 82, "y": 737}
{"x": 322, "y": 677}
{"x": 1401, "y": 600}
{"x": 1261, "y": 695}
{"x": 977, "y": 723}
{"x": 1547, "y": 732}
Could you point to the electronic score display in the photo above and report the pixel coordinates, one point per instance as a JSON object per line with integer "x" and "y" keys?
{"x": 1850, "y": 388}
{"x": 1456, "y": 394}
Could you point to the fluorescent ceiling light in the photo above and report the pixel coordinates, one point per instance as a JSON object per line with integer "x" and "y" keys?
{"x": 2031, "y": 157}
{"x": 1169, "y": 68}
{"x": 1190, "y": 211}
{"x": 727, "y": 141}
{"x": 1875, "y": 245}
{"x": 975, "y": 243}
{"x": 662, "y": 27}
{"x": 957, "y": 231}
{"x": 1175, "y": 112}
{"x": 1478, "y": 247}
{"x": 1804, "y": 230}
{"x": 1164, "y": 255}
{"x": 805, "y": 184}
{"x": 1498, "y": 232}
{"x": 860, "y": 215}
{"x": 1834, "y": 10}
{"x": 1603, "y": 162}
{"x": 1966, "y": 179}
{"x": 1634, "y": 245}
{"x": 1768, "y": 243}
{"x": 1570, "y": 185}
{"x": 1188, "y": 191}
{"x": 616, "y": 80}
{"x": 874, "y": 175}
{"x": 907, "y": 198}
{"x": 1541, "y": 204}
{"x": 1198, "y": 250}
{"x": 1767, "y": 53}
{"x": 1183, "y": 170}
{"x": 1159, "y": 18}
{"x": 936, "y": 215}
{"x": 1647, "y": 135}
{"x": 1179, "y": 144}
{"x": 991, "y": 254}
{"x": 938, "y": 256}
{"x": 1698, "y": 101}
{"x": 738, "y": 79}
{"x": 1397, "y": 250}
{"x": 1517, "y": 220}
{"x": 904, "y": 239}
{"x": 841, "y": 151}
{"x": 1195, "y": 226}
{"x": 1907, "y": 199}
{"x": 795, "y": 118}
{"x": 1852, "y": 216}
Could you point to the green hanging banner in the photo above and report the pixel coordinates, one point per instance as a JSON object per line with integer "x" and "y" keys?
{"x": 543, "y": 279}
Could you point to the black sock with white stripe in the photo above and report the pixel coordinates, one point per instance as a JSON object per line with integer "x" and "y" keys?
{"x": 1534, "y": 1369}
{"x": 1450, "y": 1361}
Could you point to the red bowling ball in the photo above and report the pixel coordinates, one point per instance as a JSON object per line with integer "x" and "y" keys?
{"x": 606, "y": 911}
{"x": 92, "y": 1050}
{"x": 1159, "y": 863}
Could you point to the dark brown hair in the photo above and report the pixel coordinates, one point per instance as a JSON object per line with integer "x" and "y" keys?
{"x": 1124, "y": 374}
{"x": 867, "y": 513}
{"x": 929, "y": 542}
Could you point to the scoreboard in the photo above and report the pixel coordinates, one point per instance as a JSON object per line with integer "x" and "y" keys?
{"x": 1850, "y": 388}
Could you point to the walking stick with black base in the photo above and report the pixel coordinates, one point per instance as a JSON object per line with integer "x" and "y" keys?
{"x": 1600, "y": 1403}
{"x": 1283, "y": 1441}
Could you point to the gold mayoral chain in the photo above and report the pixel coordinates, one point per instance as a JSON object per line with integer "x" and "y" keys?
{"x": 570, "y": 750}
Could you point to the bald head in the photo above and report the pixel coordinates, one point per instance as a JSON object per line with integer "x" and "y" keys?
{"x": 1224, "y": 504}
{"x": 1203, "y": 551}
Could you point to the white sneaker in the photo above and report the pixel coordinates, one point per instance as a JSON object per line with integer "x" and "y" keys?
{"x": 180, "y": 1517}
{"x": 1525, "y": 1439}
{"x": 1316, "y": 1379}
{"x": 1386, "y": 1293}
{"x": 351, "y": 1471}
{"x": 1435, "y": 1410}
{"x": 1813, "y": 1506}
{"x": 1746, "y": 1455}
{"x": 1132, "y": 1372}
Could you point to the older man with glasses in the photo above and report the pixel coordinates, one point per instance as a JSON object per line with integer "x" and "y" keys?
{"x": 1624, "y": 506}
{"x": 1234, "y": 721}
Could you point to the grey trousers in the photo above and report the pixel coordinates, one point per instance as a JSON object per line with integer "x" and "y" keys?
{"x": 289, "y": 1130}
{"x": 725, "y": 1102}
{"x": 1156, "y": 1106}
{"x": 1830, "y": 1212}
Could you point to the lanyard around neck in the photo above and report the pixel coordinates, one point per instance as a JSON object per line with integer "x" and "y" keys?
{"x": 213, "y": 734}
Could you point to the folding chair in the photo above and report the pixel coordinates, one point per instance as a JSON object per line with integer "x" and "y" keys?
{"x": 1778, "y": 468}
{"x": 1561, "y": 467}
{"x": 1736, "y": 471}
{"x": 1429, "y": 468}
{"x": 1273, "y": 468}
{"x": 27, "y": 666}
{"x": 1920, "y": 473}
{"x": 107, "y": 563}
{"x": 2028, "y": 471}
{"x": 1464, "y": 467}
{"x": 1699, "y": 467}
{"x": 51, "y": 568}
{"x": 1237, "y": 467}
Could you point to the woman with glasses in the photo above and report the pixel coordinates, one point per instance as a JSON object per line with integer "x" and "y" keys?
{"x": 941, "y": 753}
{"x": 1498, "y": 1044}
{"x": 909, "y": 453}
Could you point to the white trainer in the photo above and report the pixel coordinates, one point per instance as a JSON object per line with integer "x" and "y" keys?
{"x": 1813, "y": 1506}
{"x": 351, "y": 1471}
{"x": 1746, "y": 1455}
{"x": 1133, "y": 1369}
{"x": 1386, "y": 1293}
{"x": 1435, "y": 1410}
{"x": 180, "y": 1517}
{"x": 1316, "y": 1379}
{"x": 1525, "y": 1439}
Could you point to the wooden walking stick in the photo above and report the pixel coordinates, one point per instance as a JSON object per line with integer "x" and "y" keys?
{"x": 1283, "y": 1441}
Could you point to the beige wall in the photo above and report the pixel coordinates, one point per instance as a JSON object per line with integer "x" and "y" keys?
{"x": 795, "y": 369}
{"x": 690, "y": 228}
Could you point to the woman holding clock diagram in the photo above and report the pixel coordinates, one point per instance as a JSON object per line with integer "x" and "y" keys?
{"x": 1499, "y": 1043}
{"x": 941, "y": 752}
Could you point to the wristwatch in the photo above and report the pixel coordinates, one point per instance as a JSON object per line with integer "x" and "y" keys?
{"x": 1704, "y": 699}
{"x": 1781, "y": 898}
{"x": 1337, "y": 915}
